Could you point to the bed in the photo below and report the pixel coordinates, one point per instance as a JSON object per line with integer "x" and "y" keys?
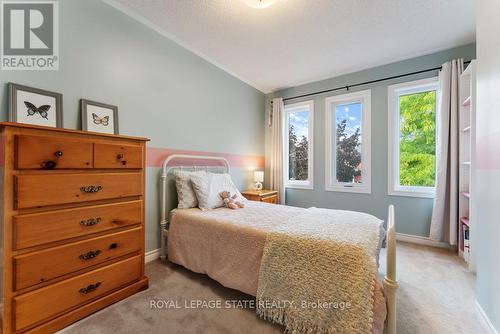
{"x": 230, "y": 245}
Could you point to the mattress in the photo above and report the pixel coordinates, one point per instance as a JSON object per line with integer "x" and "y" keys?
{"x": 227, "y": 245}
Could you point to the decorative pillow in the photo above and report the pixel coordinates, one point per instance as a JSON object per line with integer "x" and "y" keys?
{"x": 186, "y": 197}
{"x": 208, "y": 187}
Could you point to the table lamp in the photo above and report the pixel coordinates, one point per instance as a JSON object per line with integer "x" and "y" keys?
{"x": 258, "y": 177}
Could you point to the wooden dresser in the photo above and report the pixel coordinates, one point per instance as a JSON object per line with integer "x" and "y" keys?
{"x": 73, "y": 224}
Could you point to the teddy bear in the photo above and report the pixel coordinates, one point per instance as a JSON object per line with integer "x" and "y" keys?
{"x": 230, "y": 201}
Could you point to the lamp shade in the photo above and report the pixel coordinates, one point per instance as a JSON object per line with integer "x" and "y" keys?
{"x": 258, "y": 176}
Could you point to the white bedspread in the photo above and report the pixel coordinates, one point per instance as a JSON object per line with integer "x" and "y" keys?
{"x": 227, "y": 245}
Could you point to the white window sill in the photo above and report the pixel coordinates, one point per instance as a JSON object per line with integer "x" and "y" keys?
{"x": 349, "y": 189}
{"x": 412, "y": 193}
{"x": 300, "y": 186}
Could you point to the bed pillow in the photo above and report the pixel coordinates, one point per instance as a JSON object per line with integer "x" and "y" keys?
{"x": 208, "y": 187}
{"x": 186, "y": 196}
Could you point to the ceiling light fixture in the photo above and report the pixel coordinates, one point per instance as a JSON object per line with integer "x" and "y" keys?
{"x": 259, "y": 4}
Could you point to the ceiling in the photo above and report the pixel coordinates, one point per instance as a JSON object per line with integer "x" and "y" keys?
{"x": 294, "y": 42}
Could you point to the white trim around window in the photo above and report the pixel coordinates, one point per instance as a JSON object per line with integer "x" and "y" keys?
{"x": 394, "y": 92}
{"x": 299, "y": 184}
{"x": 331, "y": 183}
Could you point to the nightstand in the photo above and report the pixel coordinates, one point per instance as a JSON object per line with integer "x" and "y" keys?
{"x": 268, "y": 196}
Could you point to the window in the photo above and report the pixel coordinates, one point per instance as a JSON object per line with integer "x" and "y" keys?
{"x": 299, "y": 145}
{"x": 412, "y": 138}
{"x": 348, "y": 160}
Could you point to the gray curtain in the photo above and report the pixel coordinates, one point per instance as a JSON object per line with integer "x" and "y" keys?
{"x": 444, "y": 222}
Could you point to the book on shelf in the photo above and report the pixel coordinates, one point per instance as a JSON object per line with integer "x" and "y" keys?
{"x": 466, "y": 253}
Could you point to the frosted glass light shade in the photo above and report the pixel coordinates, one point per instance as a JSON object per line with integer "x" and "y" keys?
{"x": 258, "y": 176}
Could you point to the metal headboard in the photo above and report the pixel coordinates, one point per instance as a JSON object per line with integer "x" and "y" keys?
{"x": 178, "y": 162}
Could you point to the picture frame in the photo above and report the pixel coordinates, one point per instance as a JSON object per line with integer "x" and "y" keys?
{"x": 35, "y": 106}
{"x": 99, "y": 117}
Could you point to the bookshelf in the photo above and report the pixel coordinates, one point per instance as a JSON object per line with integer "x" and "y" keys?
{"x": 466, "y": 147}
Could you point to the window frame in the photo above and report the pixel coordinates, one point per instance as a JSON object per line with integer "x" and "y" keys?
{"x": 298, "y": 184}
{"x": 363, "y": 97}
{"x": 394, "y": 93}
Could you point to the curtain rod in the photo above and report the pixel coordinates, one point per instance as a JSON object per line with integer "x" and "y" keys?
{"x": 365, "y": 83}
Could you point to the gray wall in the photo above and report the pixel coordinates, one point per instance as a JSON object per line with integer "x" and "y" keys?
{"x": 412, "y": 214}
{"x": 485, "y": 228}
{"x": 163, "y": 91}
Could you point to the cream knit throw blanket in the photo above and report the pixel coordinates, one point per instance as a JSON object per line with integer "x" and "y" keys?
{"x": 318, "y": 270}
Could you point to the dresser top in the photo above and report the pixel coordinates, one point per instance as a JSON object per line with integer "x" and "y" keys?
{"x": 263, "y": 192}
{"x": 62, "y": 130}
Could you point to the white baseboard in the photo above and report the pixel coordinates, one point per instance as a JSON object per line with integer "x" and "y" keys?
{"x": 486, "y": 318}
{"x": 152, "y": 255}
{"x": 415, "y": 239}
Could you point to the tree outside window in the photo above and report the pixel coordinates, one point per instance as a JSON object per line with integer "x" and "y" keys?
{"x": 298, "y": 156}
{"x": 348, "y": 156}
{"x": 348, "y": 141}
{"x": 417, "y": 139}
{"x": 298, "y": 145}
{"x": 412, "y": 138}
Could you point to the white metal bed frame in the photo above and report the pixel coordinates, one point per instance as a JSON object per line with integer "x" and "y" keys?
{"x": 165, "y": 171}
{"x": 390, "y": 281}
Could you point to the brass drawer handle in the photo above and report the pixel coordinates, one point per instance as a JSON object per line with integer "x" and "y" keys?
{"x": 90, "y": 288}
{"x": 91, "y": 221}
{"x": 91, "y": 189}
{"x": 90, "y": 255}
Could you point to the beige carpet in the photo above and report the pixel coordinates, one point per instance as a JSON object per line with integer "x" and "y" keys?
{"x": 436, "y": 296}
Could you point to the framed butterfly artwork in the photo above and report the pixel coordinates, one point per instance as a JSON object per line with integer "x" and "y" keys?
{"x": 35, "y": 106}
{"x": 99, "y": 117}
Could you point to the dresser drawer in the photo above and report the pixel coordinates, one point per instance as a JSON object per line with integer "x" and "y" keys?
{"x": 51, "y": 189}
{"x": 57, "y": 298}
{"x": 38, "y": 152}
{"x": 41, "y": 266}
{"x": 270, "y": 199}
{"x": 41, "y": 228}
{"x": 117, "y": 156}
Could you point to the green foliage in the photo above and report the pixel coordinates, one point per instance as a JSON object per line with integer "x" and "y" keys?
{"x": 417, "y": 139}
{"x": 298, "y": 156}
{"x": 348, "y": 153}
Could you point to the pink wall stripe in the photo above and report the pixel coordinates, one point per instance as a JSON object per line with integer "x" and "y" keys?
{"x": 487, "y": 151}
{"x": 156, "y": 155}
